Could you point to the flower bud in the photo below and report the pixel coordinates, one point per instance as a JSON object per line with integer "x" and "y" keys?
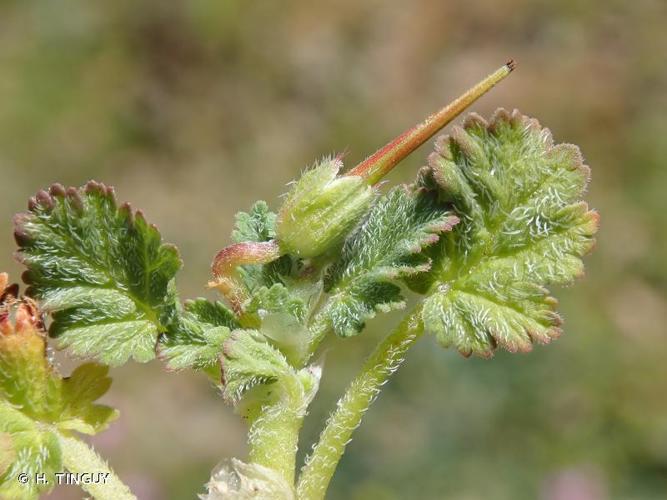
{"x": 321, "y": 209}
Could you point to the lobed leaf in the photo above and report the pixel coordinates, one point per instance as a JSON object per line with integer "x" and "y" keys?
{"x": 248, "y": 361}
{"x": 259, "y": 224}
{"x": 385, "y": 248}
{"x": 195, "y": 337}
{"x": 255, "y": 373}
{"x": 100, "y": 270}
{"x": 523, "y": 227}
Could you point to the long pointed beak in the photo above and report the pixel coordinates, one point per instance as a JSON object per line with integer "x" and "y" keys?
{"x": 384, "y": 159}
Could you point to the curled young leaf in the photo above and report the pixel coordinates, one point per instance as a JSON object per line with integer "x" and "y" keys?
{"x": 101, "y": 270}
{"x": 523, "y": 227}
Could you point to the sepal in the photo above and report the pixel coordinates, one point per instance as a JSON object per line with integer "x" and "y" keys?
{"x": 320, "y": 209}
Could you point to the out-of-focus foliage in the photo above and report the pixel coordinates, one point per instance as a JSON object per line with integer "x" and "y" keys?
{"x": 37, "y": 404}
{"x": 195, "y": 109}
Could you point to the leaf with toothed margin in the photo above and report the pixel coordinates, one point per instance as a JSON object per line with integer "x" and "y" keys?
{"x": 36, "y": 402}
{"x": 255, "y": 373}
{"x": 385, "y": 248}
{"x": 194, "y": 339}
{"x": 258, "y": 225}
{"x": 522, "y": 227}
{"x": 249, "y": 360}
{"x": 100, "y": 270}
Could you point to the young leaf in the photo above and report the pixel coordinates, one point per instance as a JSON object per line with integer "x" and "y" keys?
{"x": 383, "y": 249}
{"x": 277, "y": 299}
{"x": 249, "y": 360}
{"x": 36, "y": 402}
{"x": 522, "y": 227}
{"x": 280, "y": 314}
{"x": 102, "y": 271}
{"x": 255, "y": 373}
{"x": 258, "y": 225}
{"x": 86, "y": 384}
{"x": 195, "y": 338}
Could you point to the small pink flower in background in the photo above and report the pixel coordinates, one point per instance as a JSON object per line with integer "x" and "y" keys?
{"x": 577, "y": 483}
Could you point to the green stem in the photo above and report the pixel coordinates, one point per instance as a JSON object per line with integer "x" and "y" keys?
{"x": 78, "y": 457}
{"x": 385, "y": 360}
{"x": 274, "y": 436}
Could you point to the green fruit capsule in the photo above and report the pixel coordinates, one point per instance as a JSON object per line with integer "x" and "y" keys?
{"x": 321, "y": 209}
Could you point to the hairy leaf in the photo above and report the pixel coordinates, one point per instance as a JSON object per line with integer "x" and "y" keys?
{"x": 35, "y": 450}
{"x": 194, "y": 339}
{"x": 522, "y": 227}
{"x": 255, "y": 374}
{"x": 386, "y": 247}
{"x": 278, "y": 299}
{"x": 258, "y": 225}
{"x": 102, "y": 271}
{"x": 249, "y": 360}
{"x": 280, "y": 313}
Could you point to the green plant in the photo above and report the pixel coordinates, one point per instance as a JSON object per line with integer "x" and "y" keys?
{"x": 494, "y": 218}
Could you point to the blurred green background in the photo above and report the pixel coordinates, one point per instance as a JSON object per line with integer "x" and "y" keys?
{"x": 195, "y": 109}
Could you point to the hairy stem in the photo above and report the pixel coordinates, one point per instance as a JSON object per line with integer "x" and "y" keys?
{"x": 273, "y": 438}
{"x": 274, "y": 428}
{"x": 78, "y": 457}
{"x": 385, "y": 360}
